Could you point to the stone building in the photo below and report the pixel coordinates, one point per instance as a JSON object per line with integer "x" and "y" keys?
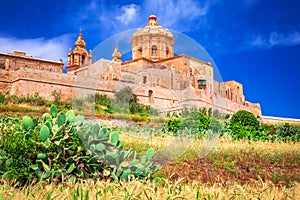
{"x": 158, "y": 77}
{"x": 16, "y": 60}
{"x": 165, "y": 81}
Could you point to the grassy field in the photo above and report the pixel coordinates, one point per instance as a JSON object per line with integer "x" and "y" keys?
{"x": 231, "y": 170}
{"x": 210, "y": 168}
{"x": 225, "y": 160}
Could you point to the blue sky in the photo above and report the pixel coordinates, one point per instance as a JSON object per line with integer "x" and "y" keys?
{"x": 256, "y": 42}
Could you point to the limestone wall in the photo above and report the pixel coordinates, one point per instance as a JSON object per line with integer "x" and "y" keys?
{"x": 29, "y": 81}
{"x": 5, "y": 81}
{"x": 16, "y": 60}
{"x": 278, "y": 120}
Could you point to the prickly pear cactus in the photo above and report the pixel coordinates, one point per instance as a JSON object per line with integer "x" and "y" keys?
{"x": 107, "y": 148}
{"x": 62, "y": 145}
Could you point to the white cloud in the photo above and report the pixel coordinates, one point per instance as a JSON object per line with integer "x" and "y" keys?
{"x": 290, "y": 39}
{"x": 92, "y": 6}
{"x": 107, "y": 19}
{"x": 129, "y": 14}
{"x": 276, "y": 39}
{"x": 258, "y": 41}
{"x": 51, "y": 49}
{"x": 173, "y": 13}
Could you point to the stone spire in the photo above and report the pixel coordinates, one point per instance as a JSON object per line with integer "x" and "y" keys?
{"x": 117, "y": 56}
{"x": 80, "y": 41}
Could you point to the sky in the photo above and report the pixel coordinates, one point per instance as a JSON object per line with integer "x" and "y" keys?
{"x": 255, "y": 42}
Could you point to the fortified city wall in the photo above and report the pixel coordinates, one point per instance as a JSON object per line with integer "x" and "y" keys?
{"x": 26, "y": 81}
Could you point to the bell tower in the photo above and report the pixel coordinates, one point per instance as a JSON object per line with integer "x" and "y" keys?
{"x": 117, "y": 56}
{"x": 79, "y": 57}
{"x": 152, "y": 42}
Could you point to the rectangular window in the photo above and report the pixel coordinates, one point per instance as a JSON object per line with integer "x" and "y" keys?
{"x": 144, "y": 79}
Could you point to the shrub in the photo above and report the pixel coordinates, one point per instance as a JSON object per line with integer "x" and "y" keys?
{"x": 33, "y": 100}
{"x": 100, "y": 99}
{"x": 173, "y": 125}
{"x": 239, "y": 132}
{"x": 78, "y": 103}
{"x": 137, "y": 118}
{"x": 197, "y": 121}
{"x": 103, "y": 100}
{"x": 215, "y": 125}
{"x": 244, "y": 125}
{"x": 126, "y": 101}
{"x": 244, "y": 118}
{"x": 124, "y": 97}
{"x": 16, "y": 154}
{"x": 287, "y": 132}
{"x": 57, "y": 97}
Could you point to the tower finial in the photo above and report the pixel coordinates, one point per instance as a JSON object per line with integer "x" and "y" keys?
{"x": 117, "y": 56}
{"x": 152, "y": 20}
{"x": 80, "y": 30}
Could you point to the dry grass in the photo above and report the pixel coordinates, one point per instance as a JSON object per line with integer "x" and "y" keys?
{"x": 277, "y": 154}
{"x": 200, "y": 148}
{"x": 137, "y": 189}
{"x": 225, "y": 160}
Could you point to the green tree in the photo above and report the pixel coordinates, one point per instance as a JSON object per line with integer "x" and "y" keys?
{"x": 196, "y": 121}
{"x": 244, "y": 118}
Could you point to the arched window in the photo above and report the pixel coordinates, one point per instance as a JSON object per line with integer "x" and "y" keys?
{"x": 191, "y": 72}
{"x": 140, "y": 52}
{"x": 150, "y": 96}
{"x": 167, "y": 51}
{"x": 154, "y": 49}
{"x": 83, "y": 60}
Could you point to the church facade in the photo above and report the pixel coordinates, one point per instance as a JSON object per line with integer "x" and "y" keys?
{"x": 159, "y": 78}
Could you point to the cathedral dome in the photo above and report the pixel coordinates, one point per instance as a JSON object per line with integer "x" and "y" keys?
{"x": 152, "y": 42}
{"x": 152, "y": 17}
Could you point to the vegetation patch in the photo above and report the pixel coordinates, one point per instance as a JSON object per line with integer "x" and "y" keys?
{"x": 58, "y": 154}
{"x": 61, "y": 146}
